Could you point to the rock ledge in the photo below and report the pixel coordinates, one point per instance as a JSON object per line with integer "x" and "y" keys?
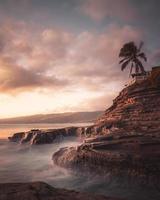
{"x": 43, "y": 191}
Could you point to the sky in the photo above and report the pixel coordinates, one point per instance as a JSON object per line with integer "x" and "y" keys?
{"x": 62, "y": 55}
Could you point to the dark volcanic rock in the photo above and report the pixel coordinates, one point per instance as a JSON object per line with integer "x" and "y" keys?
{"x": 42, "y": 191}
{"x": 17, "y": 137}
{"x": 37, "y": 136}
{"x": 126, "y": 139}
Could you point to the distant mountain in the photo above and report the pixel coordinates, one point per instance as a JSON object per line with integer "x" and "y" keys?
{"x": 69, "y": 117}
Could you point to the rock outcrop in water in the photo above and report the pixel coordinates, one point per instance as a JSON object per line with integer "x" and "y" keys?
{"x": 42, "y": 191}
{"x": 37, "y": 136}
{"x": 126, "y": 139}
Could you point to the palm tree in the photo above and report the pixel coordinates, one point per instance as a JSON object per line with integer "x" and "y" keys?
{"x": 131, "y": 54}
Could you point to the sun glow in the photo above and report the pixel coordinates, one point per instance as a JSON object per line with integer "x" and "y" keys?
{"x": 45, "y": 102}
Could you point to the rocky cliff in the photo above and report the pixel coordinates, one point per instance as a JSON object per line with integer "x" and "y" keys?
{"x": 135, "y": 110}
{"x": 126, "y": 139}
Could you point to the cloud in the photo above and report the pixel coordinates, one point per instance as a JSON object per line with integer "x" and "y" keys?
{"x": 25, "y": 61}
{"x": 54, "y": 58}
{"x": 154, "y": 57}
{"x": 14, "y": 78}
{"x": 93, "y": 58}
{"x": 100, "y": 9}
{"x": 67, "y": 59}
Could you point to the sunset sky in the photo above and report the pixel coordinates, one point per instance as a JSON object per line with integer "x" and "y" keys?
{"x": 62, "y": 55}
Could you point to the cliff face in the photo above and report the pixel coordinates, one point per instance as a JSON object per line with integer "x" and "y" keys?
{"x": 126, "y": 139}
{"x": 135, "y": 110}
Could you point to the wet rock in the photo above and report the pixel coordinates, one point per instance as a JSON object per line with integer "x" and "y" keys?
{"x": 137, "y": 156}
{"x": 41, "y": 191}
{"x": 37, "y": 136}
{"x": 17, "y": 137}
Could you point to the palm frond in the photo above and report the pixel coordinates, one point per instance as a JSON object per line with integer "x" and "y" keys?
{"x": 131, "y": 53}
{"x": 138, "y": 62}
{"x": 140, "y": 46}
{"x": 121, "y": 61}
{"x": 128, "y": 49}
{"x": 142, "y": 55}
{"x": 124, "y": 65}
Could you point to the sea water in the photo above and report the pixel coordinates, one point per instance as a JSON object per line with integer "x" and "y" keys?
{"x": 24, "y": 163}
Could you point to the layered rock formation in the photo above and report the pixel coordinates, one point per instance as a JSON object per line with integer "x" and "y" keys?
{"x": 126, "y": 139}
{"x": 135, "y": 110}
{"x": 37, "y": 136}
{"x": 42, "y": 191}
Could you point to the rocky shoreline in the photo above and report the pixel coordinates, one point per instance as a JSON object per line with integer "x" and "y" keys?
{"x": 37, "y": 136}
{"x": 41, "y": 191}
{"x": 125, "y": 140}
{"x": 140, "y": 160}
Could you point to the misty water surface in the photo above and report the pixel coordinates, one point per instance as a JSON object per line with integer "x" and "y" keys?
{"x": 22, "y": 163}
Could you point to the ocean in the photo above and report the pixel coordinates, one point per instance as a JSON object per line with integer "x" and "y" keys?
{"x": 24, "y": 163}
